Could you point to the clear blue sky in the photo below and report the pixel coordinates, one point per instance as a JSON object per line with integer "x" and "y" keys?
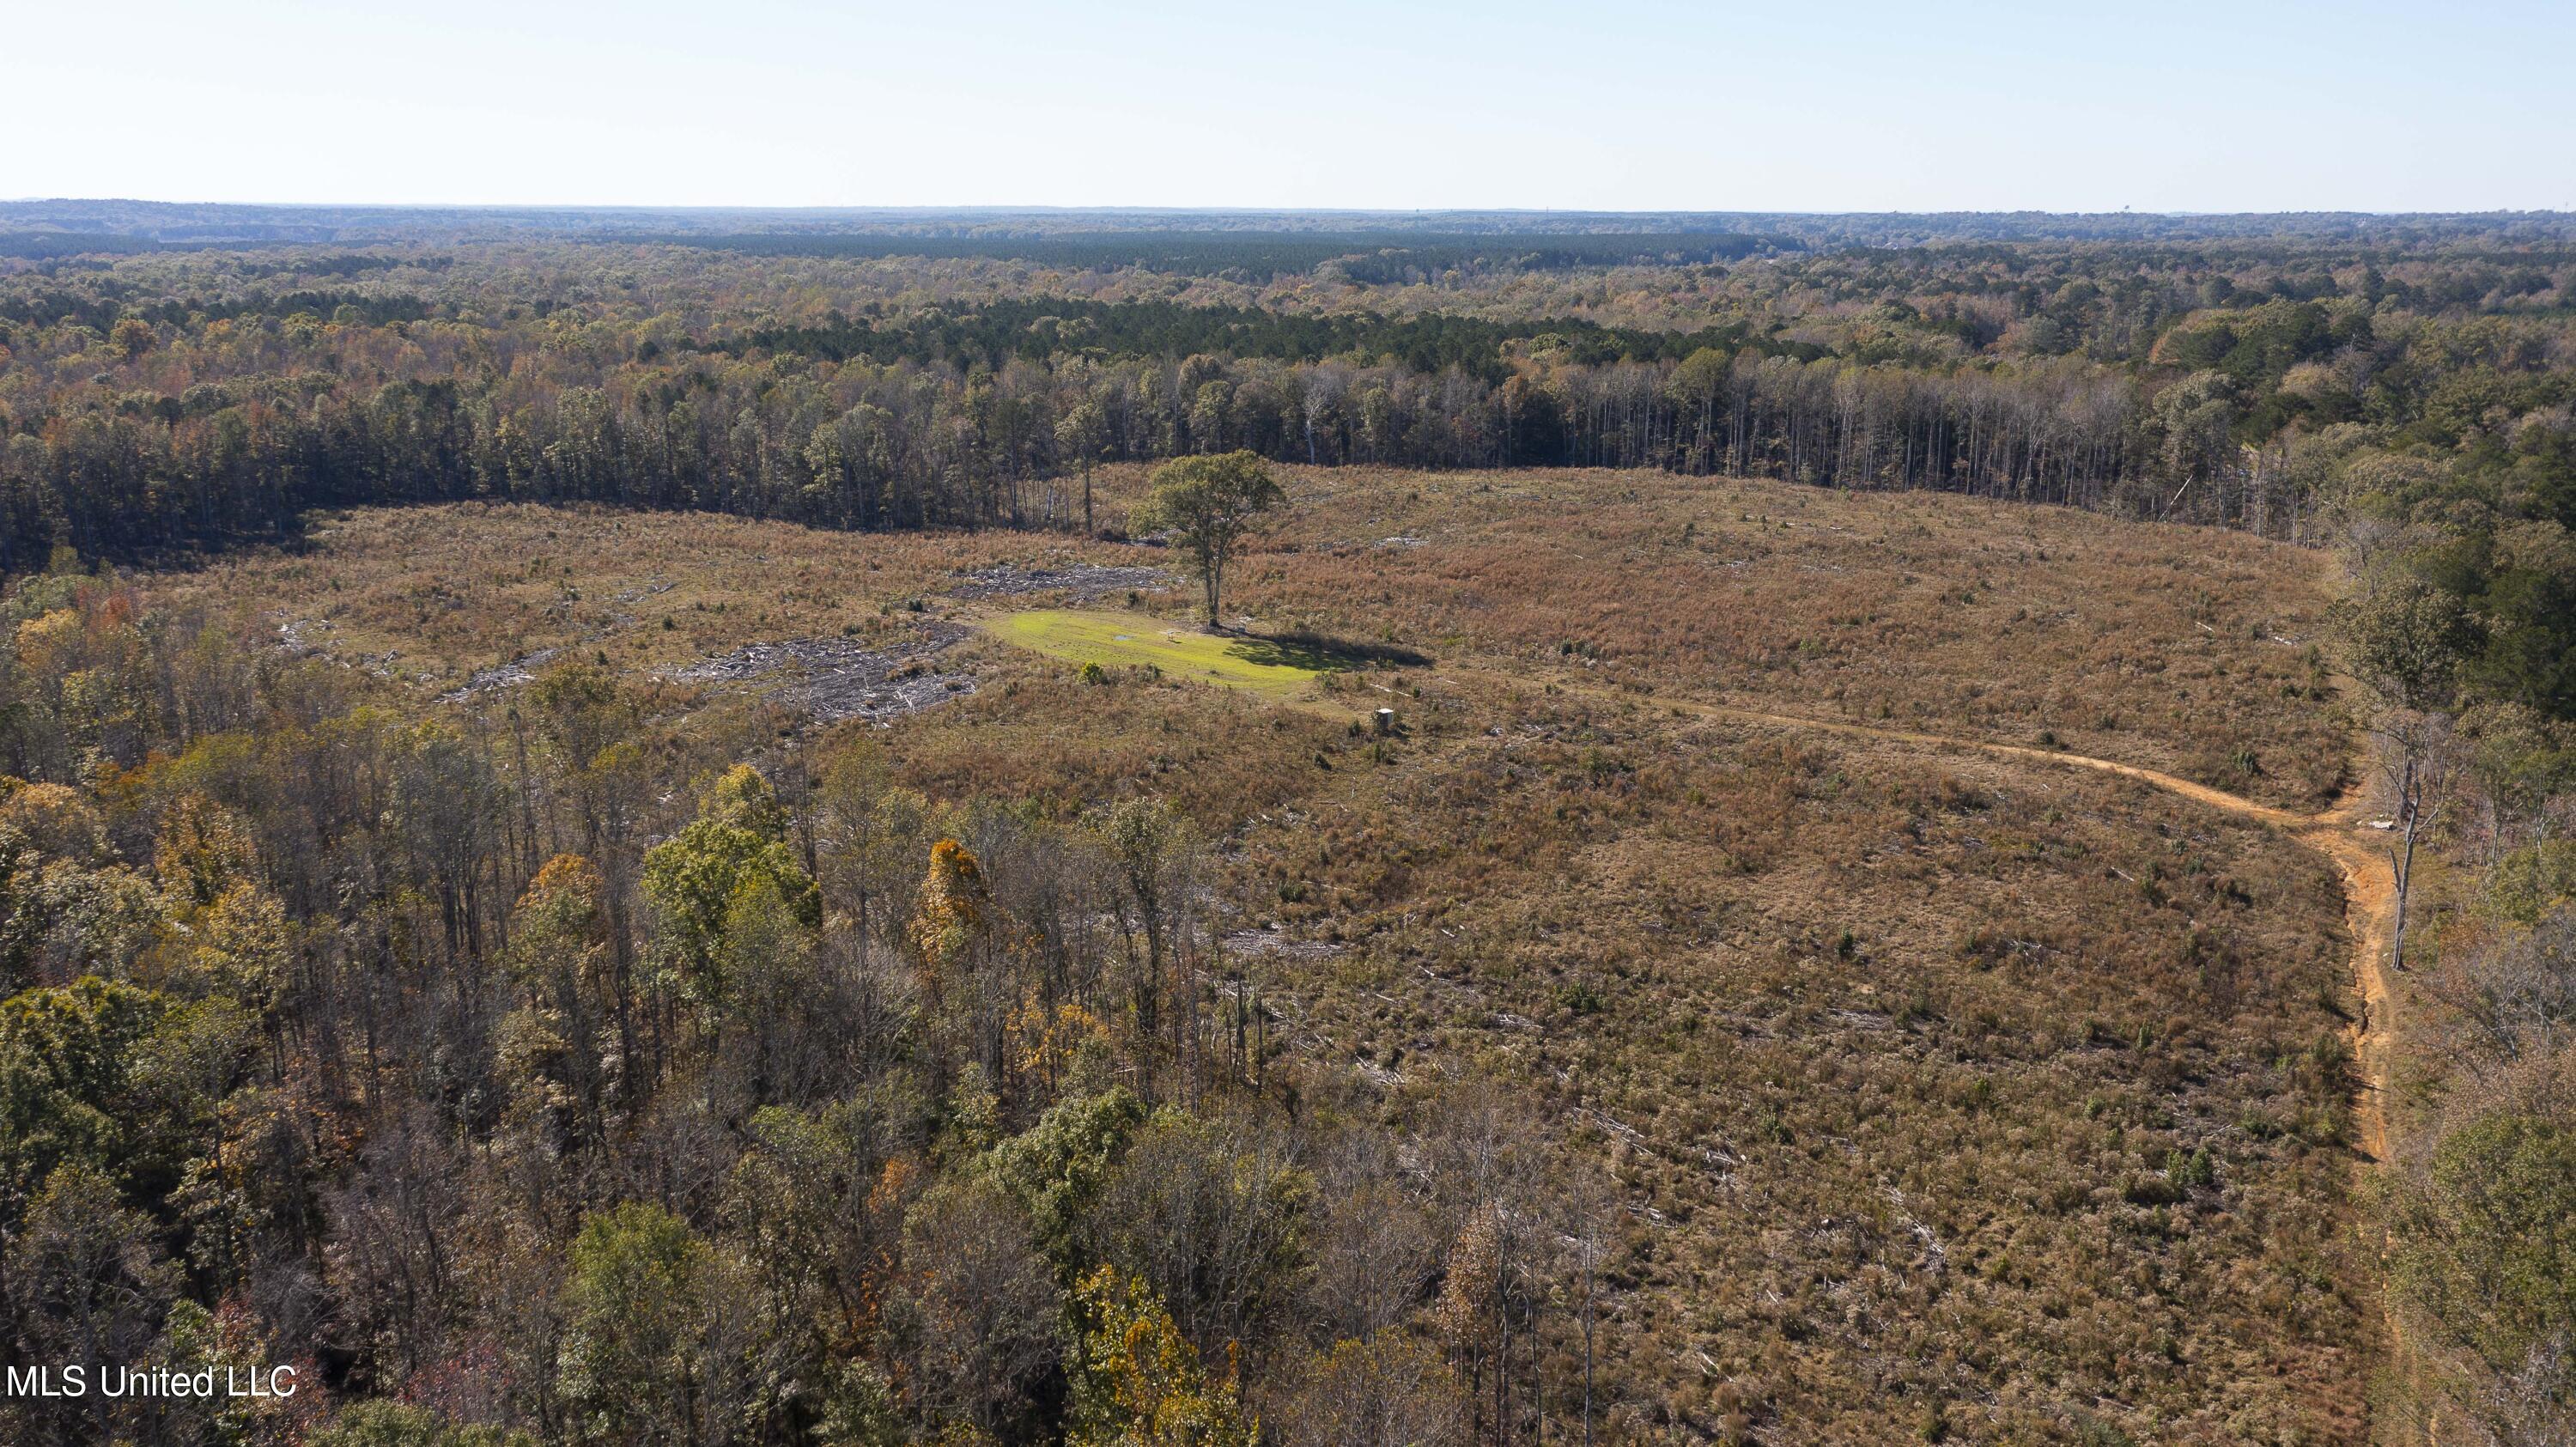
{"x": 1591, "y": 104}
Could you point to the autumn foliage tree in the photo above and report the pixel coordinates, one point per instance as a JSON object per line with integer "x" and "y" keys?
{"x": 1137, "y": 1382}
{"x": 736, "y": 847}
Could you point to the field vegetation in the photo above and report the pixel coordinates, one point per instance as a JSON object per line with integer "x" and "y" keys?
{"x": 1558, "y": 1052}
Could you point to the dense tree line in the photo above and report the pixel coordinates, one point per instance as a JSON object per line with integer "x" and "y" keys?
{"x": 1364, "y": 256}
{"x": 1047, "y": 328}
{"x": 2459, "y": 622}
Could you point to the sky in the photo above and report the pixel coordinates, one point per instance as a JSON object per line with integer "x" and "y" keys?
{"x": 2079, "y": 105}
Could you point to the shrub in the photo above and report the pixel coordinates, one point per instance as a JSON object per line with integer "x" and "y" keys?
{"x": 396, "y": 1424}
{"x": 2494, "y": 1238}
{"x": 2529, "y": 880}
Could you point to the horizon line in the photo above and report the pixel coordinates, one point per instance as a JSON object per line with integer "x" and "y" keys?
{"x": 1147, "y": 209}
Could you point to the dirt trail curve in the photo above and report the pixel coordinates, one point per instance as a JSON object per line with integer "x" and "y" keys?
{"x": 2370, "y": 901}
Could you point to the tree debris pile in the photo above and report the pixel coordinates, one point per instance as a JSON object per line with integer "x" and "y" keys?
{"x": 840, "y": 678}
{"x": 1085, "y": 582}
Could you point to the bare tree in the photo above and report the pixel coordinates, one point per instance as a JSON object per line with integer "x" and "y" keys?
{"x": 2424, "y": 765}
{"x": 976, "y": 1310}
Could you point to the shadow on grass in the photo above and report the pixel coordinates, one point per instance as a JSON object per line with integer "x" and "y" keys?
{"x": 1320, "y": 654}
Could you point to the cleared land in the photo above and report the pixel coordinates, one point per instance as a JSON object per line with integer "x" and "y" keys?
{"x": 1944, "y": 1093}
{"x": 2193, "y": 651}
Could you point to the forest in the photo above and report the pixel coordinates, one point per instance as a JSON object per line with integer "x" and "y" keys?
{"x": 413, "y": 971}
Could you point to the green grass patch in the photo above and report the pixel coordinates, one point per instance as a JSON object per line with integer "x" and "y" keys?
{"x": 1131, "y": 640}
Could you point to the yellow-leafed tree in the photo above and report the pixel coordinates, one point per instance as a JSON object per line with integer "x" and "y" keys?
{"x": 1136, "y": 1380}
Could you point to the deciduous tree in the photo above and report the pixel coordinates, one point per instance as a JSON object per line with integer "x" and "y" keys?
{"x": 1209, "y": 505}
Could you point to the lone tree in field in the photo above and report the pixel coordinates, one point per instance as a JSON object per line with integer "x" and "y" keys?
{"x": 1208, "y": 504}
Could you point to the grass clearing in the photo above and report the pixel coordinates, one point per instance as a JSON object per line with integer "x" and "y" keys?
{"x": 1135, "y": 640}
